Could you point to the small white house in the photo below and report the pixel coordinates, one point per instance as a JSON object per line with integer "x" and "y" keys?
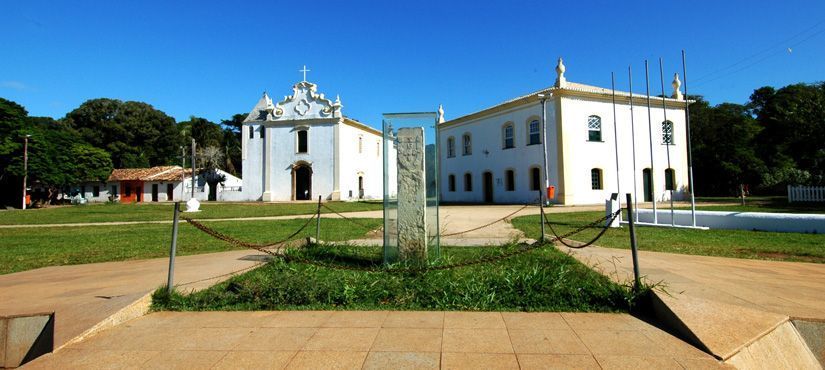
{"x": 496, "y": 155}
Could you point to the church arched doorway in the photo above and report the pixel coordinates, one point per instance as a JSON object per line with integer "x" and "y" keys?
{"x": 301, "y": 182}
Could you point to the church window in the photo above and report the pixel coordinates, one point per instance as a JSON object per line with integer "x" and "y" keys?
{"x": 263, "y": 132}
{"x": 451, "y": 182}
{"x": 302, "y": 141}
{"x": 360, "y": 144}
{"x": 535, "y": 132}
{"x": 594, "y": 128}
{"x": 596, "y": 179}
{"x": 378, "y": 148}
{"x": 468, "y": 182}
{"x": 509, "y": 141}
{"x": 667, "y": 133}
{"x": 670, "y": 179}
{"x": 535, "y": 179}
{"x": 450, "y": 147}
{"x": 251, "y": 132}
{"x": 510, "y": 180}
{"x": 468, "y": 145}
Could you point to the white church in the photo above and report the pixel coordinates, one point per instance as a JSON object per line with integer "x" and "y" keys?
{"x": 304, "y": 147}
{"x": 496, "y": 155}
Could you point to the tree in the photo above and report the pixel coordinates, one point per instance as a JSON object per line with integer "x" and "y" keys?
{"x": 723, "y": 152}
{"x": 135, "y": 134}
{"x": 205, "y": 132}
{"x": 211, "y": 158}
{"x": 793, "y": 132}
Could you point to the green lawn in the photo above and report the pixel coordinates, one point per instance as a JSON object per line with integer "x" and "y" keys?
{"x": 29, "y": 248}
{"x": 163, "y": 211}
{"x": 726, "y": 243}
{"x": 540, "y": 280}
{"x": 758, "y": 204}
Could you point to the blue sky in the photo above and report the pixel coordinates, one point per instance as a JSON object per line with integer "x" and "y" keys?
{"x": 214, "y": 58}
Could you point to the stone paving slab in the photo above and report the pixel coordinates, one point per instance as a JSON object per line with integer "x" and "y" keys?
{"x": 379, "y": 340}
{"x": 84, "y": 295}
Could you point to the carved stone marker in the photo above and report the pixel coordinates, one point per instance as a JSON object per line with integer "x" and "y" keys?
{"x": 412, "y": 195}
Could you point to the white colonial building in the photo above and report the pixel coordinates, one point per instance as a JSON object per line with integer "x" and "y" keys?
{"x": 304, "y": 147}
{"x": 495, "y": 155}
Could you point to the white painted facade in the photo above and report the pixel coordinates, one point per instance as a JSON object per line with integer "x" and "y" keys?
{"x": 341, "y": 158}
{"x": 571, "y": 156}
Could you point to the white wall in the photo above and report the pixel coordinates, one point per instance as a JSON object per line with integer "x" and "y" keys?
{"x": 486, "y": 135}
{"x": 252, "y": 164}
{"x": 368, "y": 163}
{"x": 283, "y": 143}
{"x": 585, "y": 155}
{"x": 780, "y": 222}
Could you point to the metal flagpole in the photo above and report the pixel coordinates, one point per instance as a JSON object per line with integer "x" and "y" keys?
{"x": 616, "y": 142}
{"x": 633, "y": 140}
{"x": 650, "y": 133}
{"x": 689, "y": 153}
{"x": 668, "y": 171}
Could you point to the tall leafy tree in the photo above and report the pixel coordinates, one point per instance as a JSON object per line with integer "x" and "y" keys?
{"x": 135, "y": 134}
{"x": 723, "y": 151}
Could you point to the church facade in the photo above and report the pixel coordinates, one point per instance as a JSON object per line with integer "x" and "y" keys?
{"x": 304, "y": 147}
{"x": 496, "y": 155}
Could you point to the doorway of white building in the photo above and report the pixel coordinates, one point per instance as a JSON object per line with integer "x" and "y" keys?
{"x": 154, "y": 192}
{"x": 302, "y": 182}
{"x": 647, "y": 184}
{"x": 487, "y": 186}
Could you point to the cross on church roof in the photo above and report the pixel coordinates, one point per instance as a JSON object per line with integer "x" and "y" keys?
{"x": 305, "y": 70}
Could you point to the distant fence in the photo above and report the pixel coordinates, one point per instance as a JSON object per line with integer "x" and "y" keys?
{"x": 806, "y": 193}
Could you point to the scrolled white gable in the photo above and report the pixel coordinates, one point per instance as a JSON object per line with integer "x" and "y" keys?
{"x": 305, "y": 103}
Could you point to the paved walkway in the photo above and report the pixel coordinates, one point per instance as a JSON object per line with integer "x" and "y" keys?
{"x": 84, "y": 295}
{"x": 380, "y": 340}
{"x": 795, "y": 289}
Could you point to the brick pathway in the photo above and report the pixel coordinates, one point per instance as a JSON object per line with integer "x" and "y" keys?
{"x": 380, "y": 340}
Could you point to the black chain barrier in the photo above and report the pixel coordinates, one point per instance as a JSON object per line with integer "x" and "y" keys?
{"x": 488, "y": 224}
{"x": 524, "y": 248}
{"x": 370, "y": 228}
{"x": 240, "y": 243}
{"x": 560, "y": 239}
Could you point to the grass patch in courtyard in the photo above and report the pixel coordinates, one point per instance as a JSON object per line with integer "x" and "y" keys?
{"x": 30, "y": 248}
{"x": 713, "y": 242}
{"x": 112, "y": 212}
{"x": 540, "y": 280}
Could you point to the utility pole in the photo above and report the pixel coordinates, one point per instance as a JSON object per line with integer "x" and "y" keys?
{"x": 193, "y": 168}
{"x": 25, "y": 166}
{"x": 182, "y": 172}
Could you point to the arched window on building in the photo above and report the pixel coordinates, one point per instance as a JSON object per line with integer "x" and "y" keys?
{"x": 534, "y": 132}
{"x": 507, "y": 136}
{"x": 450, "y": 147}
{"x": 468, "y": 182}
{"x": 535, "y": 178}
{"x": 360, "y": 144}
{"x": 303, "y": 142}
{"x": 594, "y": 128}
{"x": 467, "y": 147}
{"x": 667, "y": 133}
{"x": 670, "y": 179}
{"x": 451, "y": 182}
{"x": 510, "y": 180}
{"x": 251, "y": 132}
{"x": 596, "y": 179}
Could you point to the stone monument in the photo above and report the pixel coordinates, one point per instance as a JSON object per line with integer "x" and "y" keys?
{"x": 412, "y": 195}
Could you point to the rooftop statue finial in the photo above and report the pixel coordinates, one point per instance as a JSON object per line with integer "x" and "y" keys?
{"x": 560, "y": 68}
{"x": 677, "y": 93}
